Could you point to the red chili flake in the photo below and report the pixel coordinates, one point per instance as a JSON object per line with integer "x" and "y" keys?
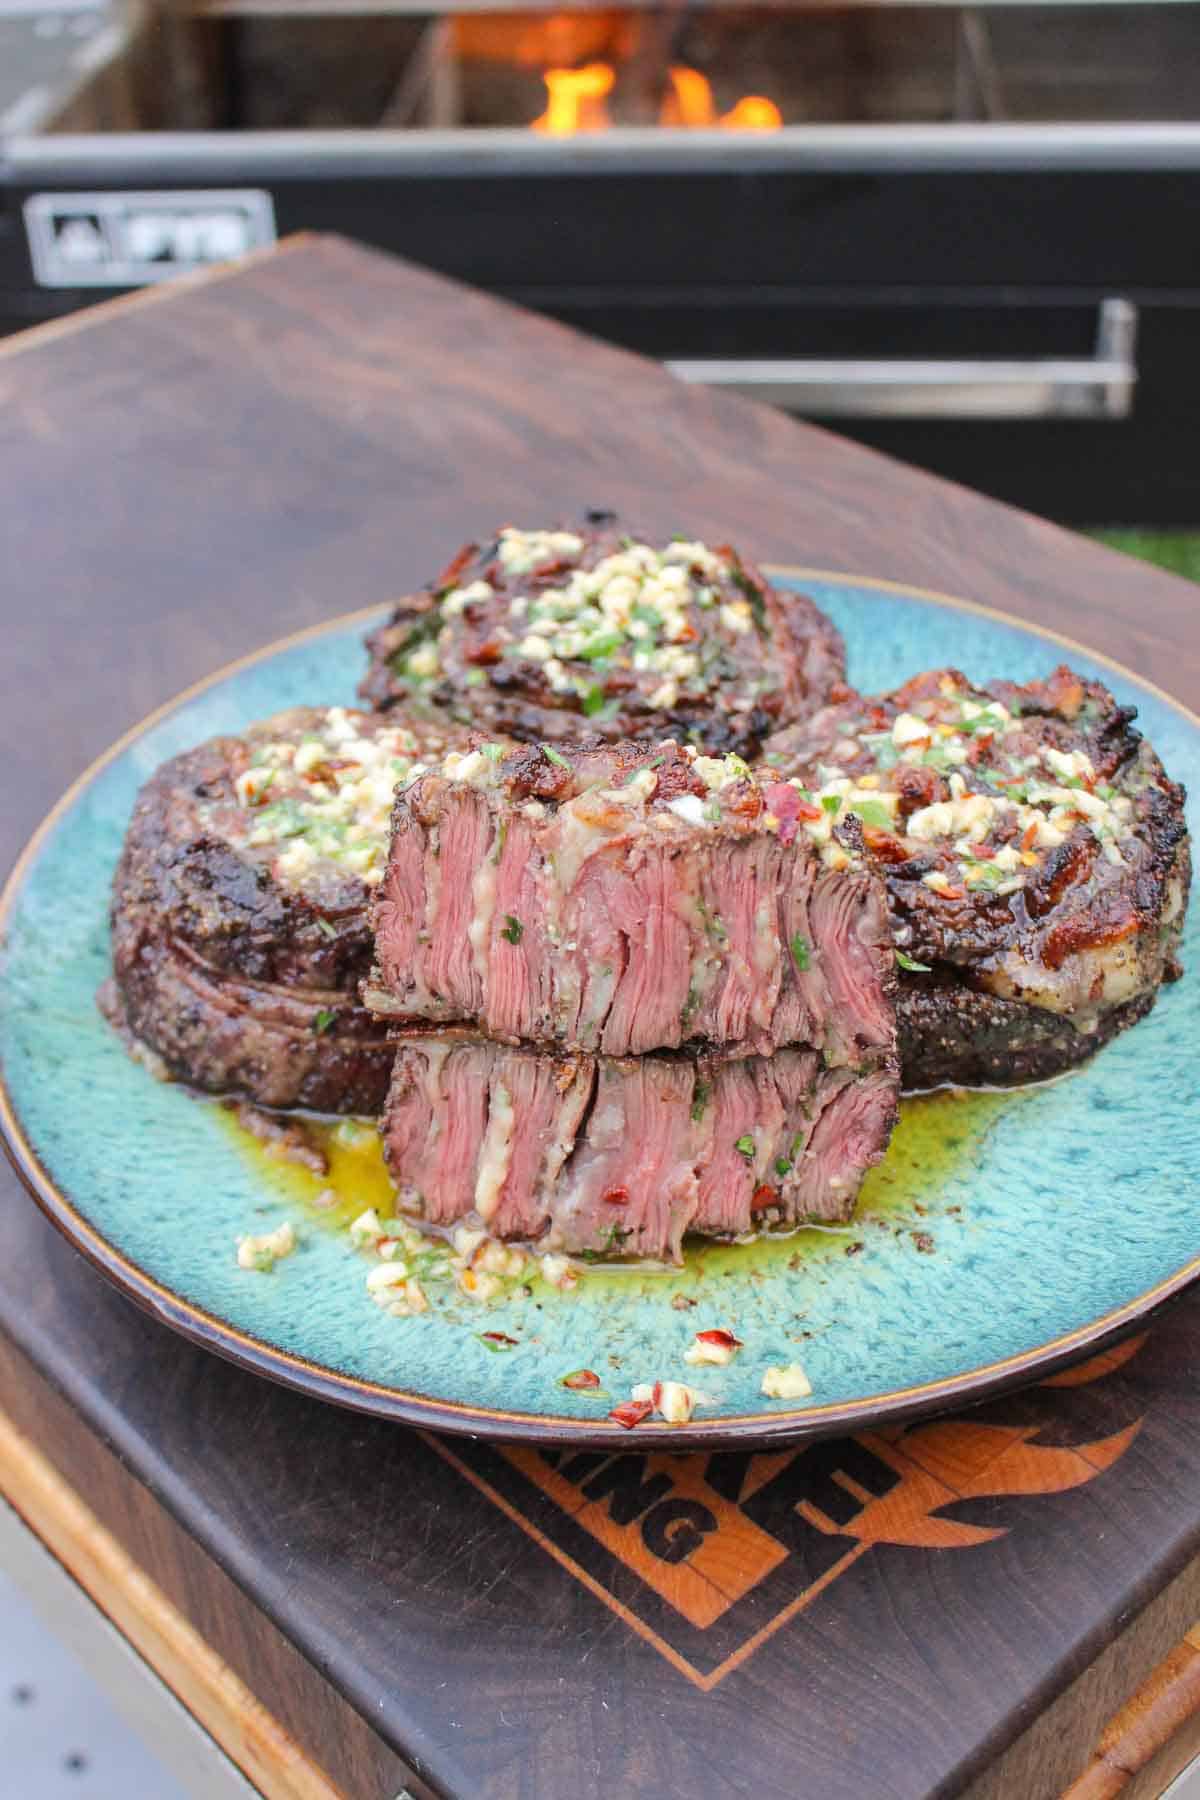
{"x": 490, "y": 651}
{"x": 616, "y": 1196}
{"x": 581, "y": 1378}
{"x": 952, "y": 893}
{"x": 762, "y": 1197}
{"x": 981, "y": 853}
{"x": 499, "y": 1337}
{"x": 631, "y": 1413}
{"x": 806, "y": 810}
{"x": 656, "y": 1397}
{"x": 720, "y": 1336}
{"x": 1029, "y": 836}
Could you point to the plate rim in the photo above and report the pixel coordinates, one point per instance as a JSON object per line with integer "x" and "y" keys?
{"x": 357, "y": 1393}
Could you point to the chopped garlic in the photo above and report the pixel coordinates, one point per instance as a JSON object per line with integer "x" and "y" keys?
{"x": 677, "y": 1401}
{"x": 689, "y": 807}
{"x": 265, "y": 1250}
{"x": 365, "y": 1229}
{"x": 466, "y": 1241}
{"x": 907, "y": 728}
{"x": 458, "y": 598}
{"x": 558, "y": 1272}
{"x": 786, "y": 1381}
{"x": 1068, "y": 763}
{"x": 478, "y": 1285}
{"x": 705, "y": 1350}
{"x": 386, "y": 1275}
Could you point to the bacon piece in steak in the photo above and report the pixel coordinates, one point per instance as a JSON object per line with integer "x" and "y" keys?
{"x": 1036, "y": 858}
{"x": 623, "y": 1156}
{"x": 623, "y": 899}
{"x": 541, "y": 635}
{"x": 240, "y": 928}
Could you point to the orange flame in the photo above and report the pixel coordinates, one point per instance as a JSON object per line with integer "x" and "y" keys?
{"x": 960, "y": 1459}
{"x": 575, "y": 100}
{"x": 690, "y": 103}
{"x": 753, "y": 113}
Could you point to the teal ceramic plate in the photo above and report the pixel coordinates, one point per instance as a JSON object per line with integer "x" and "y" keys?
{"x": 1004, "y": 1235}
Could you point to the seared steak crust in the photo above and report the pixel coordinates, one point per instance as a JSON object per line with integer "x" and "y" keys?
{"x": 622, "y": 1157}
{"x": 239, "y": 928}
{"x": 952, "y": 1035}
{"x": 1036, "y": 858}
{"x": 624, "y": 899}
{"x": 540, "y": 635}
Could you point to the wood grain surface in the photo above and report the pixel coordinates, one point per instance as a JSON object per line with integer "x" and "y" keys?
{"x": 137, "y": 1606}
{"x": 189, "y": 475}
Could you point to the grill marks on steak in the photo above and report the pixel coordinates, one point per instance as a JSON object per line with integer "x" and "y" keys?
{"x": 1036, "y": 859}
{"x": 541, "y": 635}
{"x": 236, "y": 960}
{"x": 625, "y": 1156}
{"x": 603, "y": 918}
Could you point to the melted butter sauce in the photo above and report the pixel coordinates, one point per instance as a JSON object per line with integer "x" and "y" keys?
{"x": 356, "y": 1177}
{"x": 938, "y": 1135}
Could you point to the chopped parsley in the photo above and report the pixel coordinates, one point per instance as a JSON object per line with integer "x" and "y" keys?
{"x": 985, "y": 875}
{"x": 593, "y": 701}
{"x": 703, "y": 1090}
{"x": 911, "y": 963}
{"x": 831, "y": 803}
{"x": 553, "y": 756}
{"x": 745, "y": 1146}
{"x": 800, "y": 952}
{"x": 602, "y": 644}
{"x": 326, "y": 928}
{"x": 782, "y": 1166}
{"x": 323, "y": 1020}
{"x": 873, "y": 813}
{"x": 514, "y": 931}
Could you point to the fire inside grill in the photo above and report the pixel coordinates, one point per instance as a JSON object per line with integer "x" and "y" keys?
{"x": 599, "y": 70}
{"x": 577, "y": 102}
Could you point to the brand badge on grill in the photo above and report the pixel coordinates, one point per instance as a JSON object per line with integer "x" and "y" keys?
{"x": 127, "y": 240}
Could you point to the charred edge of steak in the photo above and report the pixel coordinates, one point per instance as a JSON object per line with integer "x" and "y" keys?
{"x": 188, "y": 1021}
{"x": 736, "y": 662}
{"x": 1037, "y": 862}
{"x": 623, "y": 900}
{"x": 622, "y": 1157}
{"x": 956, "y": 1036}
{"x": 247, "y": 881}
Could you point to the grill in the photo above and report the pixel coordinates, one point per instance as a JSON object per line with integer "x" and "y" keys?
{"x": 960, "y": 232}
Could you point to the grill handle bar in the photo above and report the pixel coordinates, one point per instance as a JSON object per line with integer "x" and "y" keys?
{"x": 1096, "y": 387}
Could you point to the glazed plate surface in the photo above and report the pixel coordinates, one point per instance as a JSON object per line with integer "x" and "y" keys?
{"x": 1003, "y": 1236}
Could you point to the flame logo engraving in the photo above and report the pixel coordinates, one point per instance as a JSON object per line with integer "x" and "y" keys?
{"x": 707, "y": 1556}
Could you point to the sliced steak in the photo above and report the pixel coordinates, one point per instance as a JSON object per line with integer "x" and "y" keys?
{"x": 1036, "y": 858}
{"x": 623, "y": 899}
{"x": 540, "y": 635}
{"x": 624, "y": 1156}
{"x": 240, "y": 928}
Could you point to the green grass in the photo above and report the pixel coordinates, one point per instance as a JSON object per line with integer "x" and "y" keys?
{"x": 1178, "y": 551}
